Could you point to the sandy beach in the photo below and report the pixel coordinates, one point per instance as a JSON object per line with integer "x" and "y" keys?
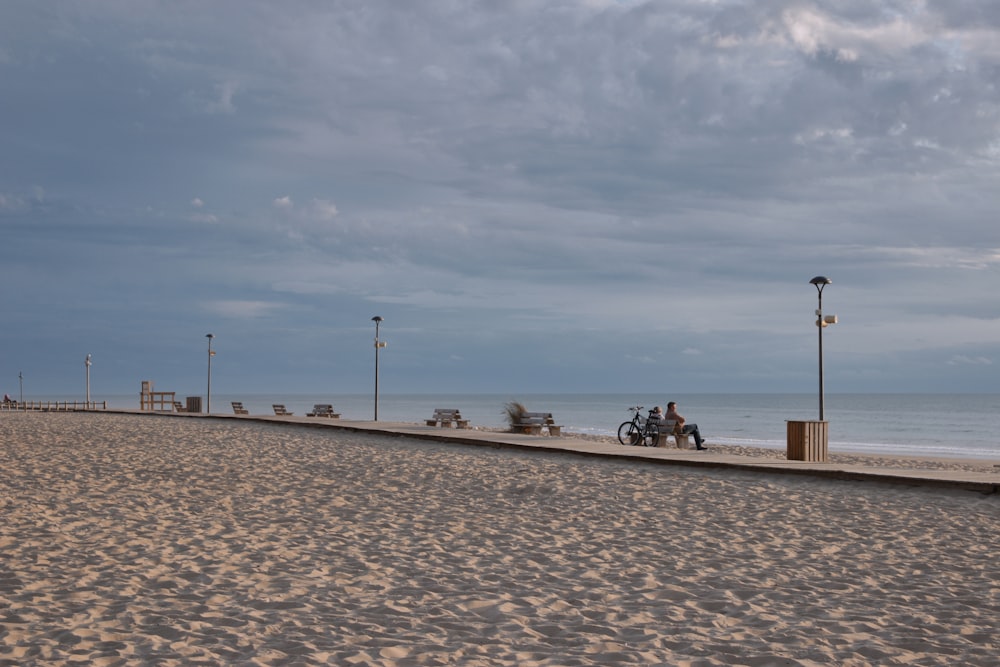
{"x": 131, "y": 539}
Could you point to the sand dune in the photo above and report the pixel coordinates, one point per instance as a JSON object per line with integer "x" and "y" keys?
{"x": 154, "y": 540}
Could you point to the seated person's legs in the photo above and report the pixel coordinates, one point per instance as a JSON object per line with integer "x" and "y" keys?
{"x": 692, "y": 429}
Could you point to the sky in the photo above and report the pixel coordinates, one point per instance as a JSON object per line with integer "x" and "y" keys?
{"x": 536, "y": 195}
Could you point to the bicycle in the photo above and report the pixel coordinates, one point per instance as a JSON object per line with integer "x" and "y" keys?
{"x": 638, "y": 431}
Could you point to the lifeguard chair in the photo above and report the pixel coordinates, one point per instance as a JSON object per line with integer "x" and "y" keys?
{"x": 162, "y": 401}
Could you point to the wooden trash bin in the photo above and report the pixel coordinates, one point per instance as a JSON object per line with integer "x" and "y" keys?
{"x": 808, "y": 441}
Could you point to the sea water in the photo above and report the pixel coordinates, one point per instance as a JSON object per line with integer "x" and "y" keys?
{"x": 942, "y": 425}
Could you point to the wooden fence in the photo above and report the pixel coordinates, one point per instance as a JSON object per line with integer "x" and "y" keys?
{"x": 55, "y": 406}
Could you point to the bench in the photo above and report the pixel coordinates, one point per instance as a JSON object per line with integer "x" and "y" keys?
{"x": 532, "y": 423}
{"x": 323, "y": 410}
{"x": 238, "y": 408}
{"x": 446, "y": 417}
{"x": 280, "y": 410}
{"x": 667, "y": 428}
{"x": 178, "y": 406}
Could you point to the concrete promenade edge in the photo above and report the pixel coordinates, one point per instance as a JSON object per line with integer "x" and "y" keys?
{"x": 981, "y": 482}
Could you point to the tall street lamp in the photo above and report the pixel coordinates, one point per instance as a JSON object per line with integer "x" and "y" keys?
{"x": 20, "y": 385}
{"x": 378, "y": 344}
{"x": 87, "y": 363}
{"x": 208, "y": 397}
{"x": 821, "y": 323}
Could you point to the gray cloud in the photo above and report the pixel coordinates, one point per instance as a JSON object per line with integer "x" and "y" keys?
{"x": 638, "y": 181}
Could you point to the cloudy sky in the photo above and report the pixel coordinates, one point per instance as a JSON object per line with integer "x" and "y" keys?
{"x": 536, "y": 195}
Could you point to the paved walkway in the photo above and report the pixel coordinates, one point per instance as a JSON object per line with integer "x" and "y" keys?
{"x": 987, "y": 483}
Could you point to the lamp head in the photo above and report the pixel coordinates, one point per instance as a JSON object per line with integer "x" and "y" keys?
{"x": 377, "y": 318}
{"x": 820, "y": 282}
{"x": 210, "y": 336}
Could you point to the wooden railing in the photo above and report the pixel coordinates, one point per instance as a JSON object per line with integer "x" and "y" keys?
{"x": 49, "y": 406}
{"x": 159, "y": 401}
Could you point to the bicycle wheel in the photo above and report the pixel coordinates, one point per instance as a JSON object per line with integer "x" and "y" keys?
{"x": 629, "y": 434}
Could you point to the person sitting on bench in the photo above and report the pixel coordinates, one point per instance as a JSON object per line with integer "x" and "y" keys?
{"x": 689, "y": 429}
{"x": 656, "y": 415}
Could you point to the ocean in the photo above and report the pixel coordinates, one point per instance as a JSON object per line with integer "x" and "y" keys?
{"x": 939, "y": 425}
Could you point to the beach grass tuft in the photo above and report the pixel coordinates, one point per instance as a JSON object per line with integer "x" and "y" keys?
{"x": 514, "y": 413}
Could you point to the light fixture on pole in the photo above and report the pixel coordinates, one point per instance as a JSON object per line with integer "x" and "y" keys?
{"x": 821, "y": 323}
{"x": 208, "y": 396}
{"x": 378, "y": 345}
{"x": 20, "y": 385}
{"x": 88, "y": 380}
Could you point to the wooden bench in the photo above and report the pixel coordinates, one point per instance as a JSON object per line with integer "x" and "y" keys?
{"x": 238, "y": 408}
{"x": 532, "y": 423}
{"x": 178, "y": 406}
{"x": 280, "y": 410}
{"x": 446, "y": 418}
{"x": 667, "y": 428}
{"x": 323, "y": 410}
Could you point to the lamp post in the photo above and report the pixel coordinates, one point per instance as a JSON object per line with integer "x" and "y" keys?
{"x": 821, "y": 323}
{"x": 87, "y": 363}
{"x": 20, "y": 386}
{"x": 208, "y": 396}
{"x": 378, "y": 344}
